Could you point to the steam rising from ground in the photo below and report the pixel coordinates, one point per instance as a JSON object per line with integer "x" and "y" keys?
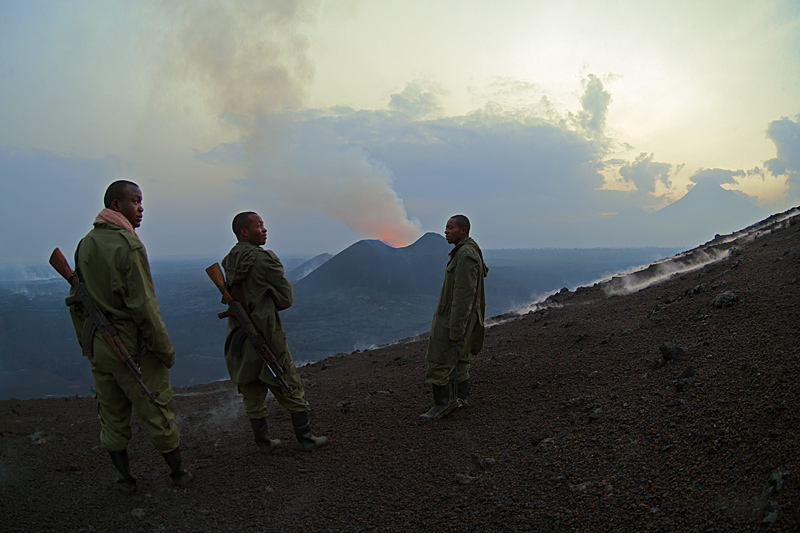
{"x": 659, "y": 271}
{"x": 720, "y": 248}
{"x": 226, "y": 413}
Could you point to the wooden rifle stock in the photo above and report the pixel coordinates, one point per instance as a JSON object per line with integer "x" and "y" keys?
{"x": 215, "y": 273}
{"x": 59, "y": 262}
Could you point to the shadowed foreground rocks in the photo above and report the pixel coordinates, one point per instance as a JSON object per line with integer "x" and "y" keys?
{"x": 673, "y": 408}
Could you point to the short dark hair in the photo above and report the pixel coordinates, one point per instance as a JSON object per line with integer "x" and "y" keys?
{"x": 241, "y": 221}
{"x": 461, "y": 221}
{"x": 116, "y": 191}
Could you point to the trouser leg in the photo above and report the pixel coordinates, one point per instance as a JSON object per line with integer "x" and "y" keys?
{"x": 444, "y": 373}
{"x": 294, "y": 401}
{"x": 255, "y": 393}
{"x": 157, "y": 418}
{"x": 113, "y": 411}
{"x": 253, "y": 396}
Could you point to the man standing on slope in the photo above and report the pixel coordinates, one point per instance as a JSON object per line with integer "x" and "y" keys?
{"x": 457, "y": 327}
{"x": 255, "y": 278}
{"x": 112, "y": 263}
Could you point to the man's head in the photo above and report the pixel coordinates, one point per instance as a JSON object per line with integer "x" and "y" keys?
{"x": 456, "y": 229}
{"x": 125, "y": 197}
{"x": 248, "y": 227}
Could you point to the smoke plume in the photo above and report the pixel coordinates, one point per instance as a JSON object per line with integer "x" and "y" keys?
{"x": 250, "y": 63}
{"x": 342, "y": 181}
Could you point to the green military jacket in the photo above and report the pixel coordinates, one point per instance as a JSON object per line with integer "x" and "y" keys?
{"x": 462, "y": 305}
{"x": 255, "y": 278}
{"x": 112, "y": 263}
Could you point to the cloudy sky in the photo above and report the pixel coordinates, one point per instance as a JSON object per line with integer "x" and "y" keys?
{"x": 339, "y": 120}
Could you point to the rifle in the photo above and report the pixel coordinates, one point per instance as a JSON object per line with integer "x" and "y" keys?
{"x": 236, "y": 310}
{"x": 96, "y": 316}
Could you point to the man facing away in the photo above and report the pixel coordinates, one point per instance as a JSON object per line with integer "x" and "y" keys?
{"x": 112, "y": 263}
{"x": 255, "y": 278}
{"x": 457, "y": 328}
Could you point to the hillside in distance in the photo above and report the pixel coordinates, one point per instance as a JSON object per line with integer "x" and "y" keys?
{"x": 705, "y": 210}
{"x": 368, "y": 294}
{"x": 371, "y": 293}
{"x": 295, "y": 274}
{"x": 662, "y": 400}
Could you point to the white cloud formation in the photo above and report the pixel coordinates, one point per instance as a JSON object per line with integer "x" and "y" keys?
{"x": 594, "y": 106}
{"x": 785, "y": 133}
{"x": 415, "y": 101}
{"x": 210, "y": 106}
{"x": 645, "y": 173}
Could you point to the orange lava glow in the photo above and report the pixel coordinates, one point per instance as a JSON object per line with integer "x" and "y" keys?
{"x": 393, "y": 240}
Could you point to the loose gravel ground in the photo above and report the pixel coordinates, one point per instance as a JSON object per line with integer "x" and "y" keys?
{"x": 672, "y": 408}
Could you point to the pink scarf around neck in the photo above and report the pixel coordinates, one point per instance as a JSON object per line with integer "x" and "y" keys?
{"x": 116, "y": 218}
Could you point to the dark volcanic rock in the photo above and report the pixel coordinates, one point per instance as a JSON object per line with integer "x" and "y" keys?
{"x": 558, "y": 436}
{"x": 724, "y": 299}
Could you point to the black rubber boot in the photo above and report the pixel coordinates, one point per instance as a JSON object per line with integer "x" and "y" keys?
{"x": 463, "y": 392}
{"x": 180, "y": 477}
{"x": 261, "y": 433}
{"x": 302, "y": 430}
{"x": 126, "y": 483}
{"x": 441, "y": 399}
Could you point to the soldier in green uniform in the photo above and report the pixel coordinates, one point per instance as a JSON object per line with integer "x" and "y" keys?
{"x": 457, "y": 327}
{"x": 255, "y": 278}
{"x": 112, "y": 263}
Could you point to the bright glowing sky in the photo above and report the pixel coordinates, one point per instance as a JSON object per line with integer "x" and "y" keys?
{"x": 340, "y": 120}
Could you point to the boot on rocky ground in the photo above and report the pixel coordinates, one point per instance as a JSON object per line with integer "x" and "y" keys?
{"x": 180, "y": 477}
{"x": 302, "y": 430}
{"x": 441, "y": 399}
{"x": 126, "y": 483}
{"x": 261, "y": 433}
{"x": 463, "y": 392}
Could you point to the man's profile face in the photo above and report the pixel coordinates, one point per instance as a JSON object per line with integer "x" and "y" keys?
{"x": 130, "y": 206}
{"x": 255, "y": 232}
{"x": 453, "y": 233}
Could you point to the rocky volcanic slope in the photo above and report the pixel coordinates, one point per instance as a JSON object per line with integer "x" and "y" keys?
{"x": 674, "y": 408}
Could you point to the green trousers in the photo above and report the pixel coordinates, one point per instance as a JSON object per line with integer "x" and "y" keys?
{"x": 444, "y": 373}
{"x": 118, "y": 392}
{"x": 254, "y": 394}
